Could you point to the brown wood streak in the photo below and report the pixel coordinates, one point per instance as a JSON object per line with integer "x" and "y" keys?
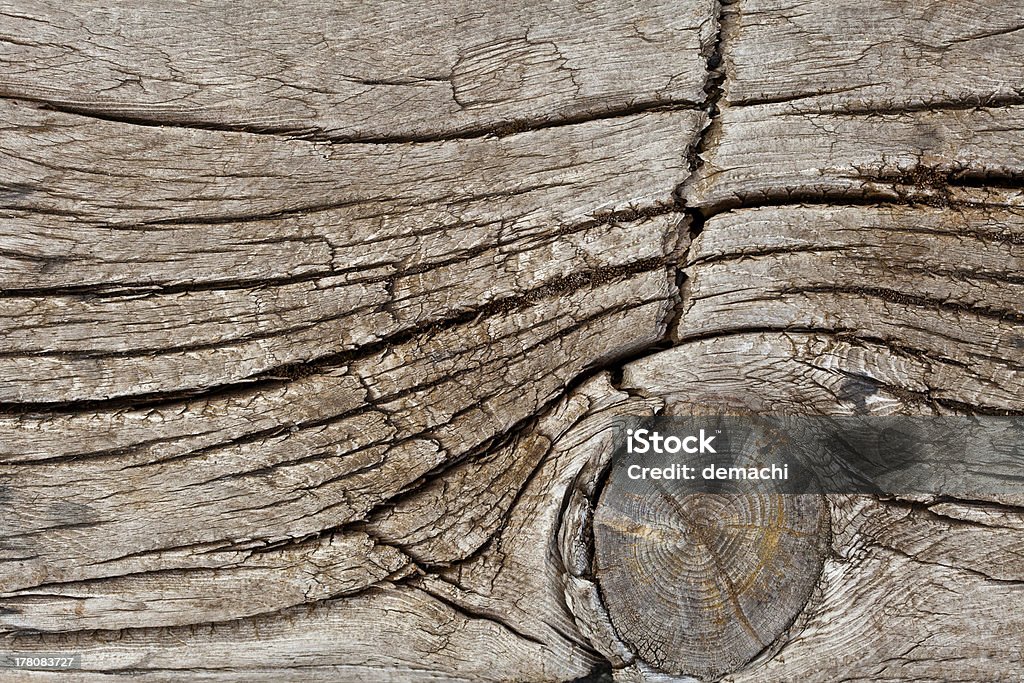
{"x": 309, "y": 364}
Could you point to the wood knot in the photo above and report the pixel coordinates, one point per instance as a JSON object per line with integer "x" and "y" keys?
{"x": 701, "y": 583}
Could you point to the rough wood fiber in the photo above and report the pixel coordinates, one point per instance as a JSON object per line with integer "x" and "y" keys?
{"x": 380, "y": 423}
{"x": 499, "y": 607}
{"x": 887, "y": 54}
{"x": 941, "y": 289}
{"x": 854, "y": 310}
{"x": 892, "y": 608}
{"x": 305, "y": 313}
{"x": 771, "y": 154}
{"x": 394, "y": 633}
{"x": 835, "y": 101}
{"x": 338, "y": 70}
{"x": 881, "y": 309}
{"x": 405, "y": 236}
{"x": 125, "y": 176}
{"x": 700, "y": 584}
{"x": 220, "y": 588}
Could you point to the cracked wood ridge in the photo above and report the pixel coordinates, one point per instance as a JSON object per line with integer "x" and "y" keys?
{"x": 317, "y": 322}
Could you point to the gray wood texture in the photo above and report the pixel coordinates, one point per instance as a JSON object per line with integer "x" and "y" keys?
{"x": 885, "y": 55}
{"x": 318, "y": 322}
{"x": 391, "y": 238}
{"x": 931, "y": 157}
{"x": 344, "y": 71}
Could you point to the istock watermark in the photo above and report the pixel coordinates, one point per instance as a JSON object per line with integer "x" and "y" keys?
{"x": 974, "y": 458}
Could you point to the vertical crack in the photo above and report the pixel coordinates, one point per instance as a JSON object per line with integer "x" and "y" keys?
{"x": 714, "y": 54}
{"x": 714, "y": 82}
{"x": 713, "y": 90}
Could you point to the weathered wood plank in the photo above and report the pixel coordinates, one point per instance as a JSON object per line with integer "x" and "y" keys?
{"x": 941, "y": 289}
{"x": 520, "y": 575}
{"x": 402, "y": 233}
{"x": 857, "y": 310}
{"x": 434, "y": 525}
{"x": 379, "y": 424}
{"x": 336, "y": 70}
{"x": 303, "y": 354}
{"x": 393, "y": 634}
{"x": 891, "y": 54}
{"x": 328, "y": 567}
{"x": 504, "y": 608}
{"x": 771, "y": 154}
{"x": 849, "y": 309}
{"x": 121, "y": 175}
{"x": 785, "y": 372}
{"x": 891, "y": 609}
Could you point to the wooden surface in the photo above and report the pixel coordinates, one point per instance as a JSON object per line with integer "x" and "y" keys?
{"x": 654, "y": 554}
{"x": 374, "y": 241}
{"x": 317, "y": 325}
{"x": 335, "y": 70}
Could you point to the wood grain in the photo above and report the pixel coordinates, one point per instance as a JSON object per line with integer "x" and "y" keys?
{"x": 318, "y": 325}
{"x": 381, "y": 424}
{"x": 500, "y": 603}
{"x": 893, "y": 610}
{"x": 940, "y": 289}
{"x": 772, "y": 154}
{"x": 867, "y": 310}
{"x": 686, "y": 577}
{"x": 381, "y": 256}
{"x": 891, "y": 54}
{"x": 852, "y": 309}
{"x": 337, "y": 71}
